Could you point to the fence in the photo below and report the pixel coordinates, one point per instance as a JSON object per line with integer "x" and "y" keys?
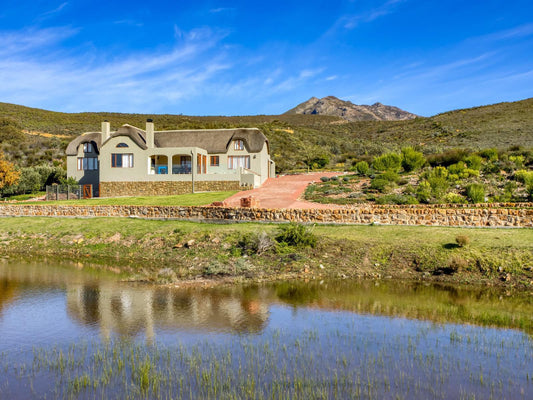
{"x": 68, "y": 192}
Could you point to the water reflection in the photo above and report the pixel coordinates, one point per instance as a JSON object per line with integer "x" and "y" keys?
{"x": 97, "y": 302}
{"x": 133, "y": 309}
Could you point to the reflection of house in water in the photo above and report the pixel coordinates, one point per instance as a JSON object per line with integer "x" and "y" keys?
{"x": 8, "y": 292}
{"x": 130, "y": 310}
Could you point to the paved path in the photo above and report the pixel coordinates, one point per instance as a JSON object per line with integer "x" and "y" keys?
{"x": 283, "y": 192}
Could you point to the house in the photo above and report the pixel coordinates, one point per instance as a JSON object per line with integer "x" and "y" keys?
{"x": 135, "y": 162}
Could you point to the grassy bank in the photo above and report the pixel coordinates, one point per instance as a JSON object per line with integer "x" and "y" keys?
{"x": 173, "y": 251}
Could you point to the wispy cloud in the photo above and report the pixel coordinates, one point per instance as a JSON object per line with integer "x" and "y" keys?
{"x": 56, "y": 10}
{"x": 129, "y": 22}
{"x": 513, "y": 33}
{"x": 127, "y": 82}
{"x": 221, "y": 9}
{"x": 352, "y": 21}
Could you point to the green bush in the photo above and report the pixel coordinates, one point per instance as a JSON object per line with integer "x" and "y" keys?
{"x": 324, "y": 179}
{"x": 390, "y": 176}
{"x": 362, "y": 167}
{"x": 296, "y": 235}
{"x": 380, "y": 184}
{"x": 454, "y": 198}
{"x": 412, "y": 159}
{"x": 388, "y": 162}
{"x": 457, "y": 168}
{"x": 490, "y": 154}
{"x": 524, "y": 176}
{"x": 474, "y": 162}
{"x": 475, "y": 193}
{"x": 423, "y": 192}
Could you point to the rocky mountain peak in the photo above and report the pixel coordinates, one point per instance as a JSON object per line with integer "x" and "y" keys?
{"x": 331, "y": 105}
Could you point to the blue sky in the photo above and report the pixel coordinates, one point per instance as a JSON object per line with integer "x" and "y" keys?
{"x": 247, "y": 57}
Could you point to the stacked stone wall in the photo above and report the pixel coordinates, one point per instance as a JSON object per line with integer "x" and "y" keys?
{"x": 488, "y": 215}
{"x": 162, "y": 188}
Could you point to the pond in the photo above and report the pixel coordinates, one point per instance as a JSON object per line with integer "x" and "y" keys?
{"x": 69, "y": 331}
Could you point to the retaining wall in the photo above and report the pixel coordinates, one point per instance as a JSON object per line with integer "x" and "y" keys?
{"x": 164, "y": 188}
{"x": 493, "y": 215}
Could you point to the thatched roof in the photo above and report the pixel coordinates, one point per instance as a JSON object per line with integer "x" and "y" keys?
{"x": 94, "y": 137}
{"x": 215, "y": 141}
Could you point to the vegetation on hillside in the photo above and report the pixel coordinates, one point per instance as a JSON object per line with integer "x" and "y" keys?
{"x": 454, "y": 176}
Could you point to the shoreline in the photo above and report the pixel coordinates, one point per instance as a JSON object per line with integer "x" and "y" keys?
{"x": 207, "y": 254}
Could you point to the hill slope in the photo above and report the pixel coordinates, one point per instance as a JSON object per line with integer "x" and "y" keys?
{"x": 291, "y": 135}
{"x": 333, "y": 106}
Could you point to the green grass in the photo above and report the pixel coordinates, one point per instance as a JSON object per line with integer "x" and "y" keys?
{"x": 23, "y": 197}
{"x": 192, "y": 199}
{"x": 141, "y": 247}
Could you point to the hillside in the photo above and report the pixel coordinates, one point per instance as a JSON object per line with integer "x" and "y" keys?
{"x": 292, "y": 136}
{"x": 333, "y": 106}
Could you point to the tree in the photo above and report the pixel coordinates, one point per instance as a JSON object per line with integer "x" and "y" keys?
{"x": 8, "y": 174}
{"x": 313, "y": 156}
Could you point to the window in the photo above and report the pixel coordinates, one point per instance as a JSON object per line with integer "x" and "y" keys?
{"x": 122, "y": 160}
{"x": 87, "y": 147}
{"x": 122, "y": 145}
{"x": 87, "y": 164}
{"x": 239, "y": 145}
{"x": 235, "y": 162}
{"x": 214, "y": 161}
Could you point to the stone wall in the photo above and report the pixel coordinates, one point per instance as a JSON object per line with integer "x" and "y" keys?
{"x": 162, "y": 188}
{"x": 493, "y": 215}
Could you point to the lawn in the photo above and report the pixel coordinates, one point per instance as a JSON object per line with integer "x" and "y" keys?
{"x": 190, "y": 199}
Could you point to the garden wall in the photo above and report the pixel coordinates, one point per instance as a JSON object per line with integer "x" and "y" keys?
{"x": 493, "y": 215}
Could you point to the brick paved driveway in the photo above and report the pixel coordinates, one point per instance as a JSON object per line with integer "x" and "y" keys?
{"x": 283, "y": 192}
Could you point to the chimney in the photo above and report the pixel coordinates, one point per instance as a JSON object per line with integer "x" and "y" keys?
{"x": 106, "y": 130}
{"x": 149, "y": 133}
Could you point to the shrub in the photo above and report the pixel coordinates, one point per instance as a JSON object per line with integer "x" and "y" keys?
{"x": 296, "y": 235}
{"x": 454, "y": 198}
{"x": 490, "y": 154}
{"x": 448, "y": 157}
{"x": 517, "y": 160}
{"x": 255, "y": 243}
{"x": 334, "y": 178}
{"x": 362, "y": 167}
{"x": 462, "y": 240}
{"x": 457, "y": 168}
{"x": 475, "y": 193}
{"x": 423, "y": 192}
{"x": 390, "y": 176}
{"x": 380, "y": 184}
{"x": 388, "y": 162}
{"x": 455, "y": 263}
{"x": 412, "y": 159}
{"x": 324, "y": 179}
{"x": 526, "y": 177}
{"x": 474, "y": 162}
{"x": 345, "y": 179}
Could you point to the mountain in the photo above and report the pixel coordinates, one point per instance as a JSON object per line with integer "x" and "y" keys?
{"x": 333, "y": 106}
